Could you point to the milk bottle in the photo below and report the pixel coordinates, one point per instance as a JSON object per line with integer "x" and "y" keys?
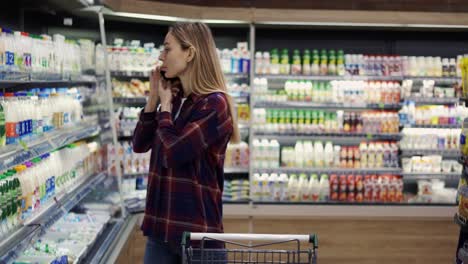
{"x": 283, "y": 180}
{"x": 303, "y": 187}
{"x": 314, "y": 188}
{"x": 329, "y": 155}
{"x": 324, "y": 188}
{"x": 293, "y": 188}
{"x": 299, "y": 152}
{"x": 318, "y": 154}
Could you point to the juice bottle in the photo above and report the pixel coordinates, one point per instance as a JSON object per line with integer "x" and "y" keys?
{"x": 334, "y": 187}
{"x": 275, "y": 62}
{"x": 296, "y": 68}
{"x": 343, "y": 188}
{"x": 332, "y": 69}
{"x": 315, "y": 68}
{"x": 308, "y": 154}
{"x": 284, "y": 66}
{"x": 306, "y": 69}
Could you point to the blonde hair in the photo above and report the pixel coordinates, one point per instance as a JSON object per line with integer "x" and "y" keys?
{"x": 204, "y": 70}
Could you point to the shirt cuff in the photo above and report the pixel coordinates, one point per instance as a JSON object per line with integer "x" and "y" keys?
{"x": 147, "y": 117}
{"x": 165, "y": 119}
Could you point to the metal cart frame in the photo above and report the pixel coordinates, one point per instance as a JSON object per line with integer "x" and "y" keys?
{"x": 248, "y": 253}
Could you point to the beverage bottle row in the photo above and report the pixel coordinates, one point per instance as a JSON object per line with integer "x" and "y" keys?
{"x": 238, "y": 88}
{"x": 366, "y": 188}
{"x": 128, "y": 118}
{"x": 26, "y": 187}
{"x": 431, "y": 66}
{"x": 410, "y": 114}
{"x": 236, "y": 60}
{"x": 430, "y": 164}
{"x": 237, "y": 155}
{"x": 284, "y": 187}
{"x": 30, "y": 114}
{"x": 429, "y": 89}
{"x": 373, "y": 65}
{"x": 398, "y": 66}
{"x": 341, "y": 92}
{"x": 132, "y": 57}
{"x": 130, "y": 162}
{"x": 430, "y": 139}
{"x": 308, "y": 154}
{"x": 311, "y": 121}
{"x": 310, "y": 63}
{"x": 265, "y": 153}
{"x": 40, "y": 57}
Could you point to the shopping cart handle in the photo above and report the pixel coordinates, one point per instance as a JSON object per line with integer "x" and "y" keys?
{"x": 312, "y": 238}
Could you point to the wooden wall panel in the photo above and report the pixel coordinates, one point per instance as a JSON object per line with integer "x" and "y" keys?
{"x": 392, "y": 5}
{"x": 351, "y": 241}
{"x": 260, "y": 14}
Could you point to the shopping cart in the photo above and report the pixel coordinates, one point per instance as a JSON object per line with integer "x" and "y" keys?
{"x": 249, "y": 253}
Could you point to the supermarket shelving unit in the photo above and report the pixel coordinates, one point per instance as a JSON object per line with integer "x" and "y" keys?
{"x": 36, "y": 225}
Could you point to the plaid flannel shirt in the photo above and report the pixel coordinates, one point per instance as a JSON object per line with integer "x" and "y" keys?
{"x": 186, "y": 176}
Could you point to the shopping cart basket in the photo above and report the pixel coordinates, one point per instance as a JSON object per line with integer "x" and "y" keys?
{"x": 249, "y": 253}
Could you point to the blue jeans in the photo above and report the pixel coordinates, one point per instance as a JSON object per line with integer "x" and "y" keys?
{"x": 159, "y": 252}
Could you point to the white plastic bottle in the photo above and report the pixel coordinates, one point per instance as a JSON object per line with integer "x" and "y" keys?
{"x": 299, "y": 152}
{"x": 293, "y": 188}
{"x": 257, "y": 187}
{"x": 308, "y": 154}
{"x": 265, "y": 196}
{"x": 328, "y": 155}
{"x": 283, "y": 185}
{"x": 274, "y": 192}
{"x": 303, "y": 187}
{"x": 318, "y": 154}
{"x": 275, "y": 153}
{"x": 364, "y": 154}
{"x": 336, "y": 156}
{"x": 324, "y": 188}
{"x": 314, "y": 188}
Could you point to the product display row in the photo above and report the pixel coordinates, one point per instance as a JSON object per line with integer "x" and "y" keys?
{"x": 28, "y": 56}
{"x": 307, "y": 154}
{"x": 333, "y": 62}
{"x": 310, "y": 121}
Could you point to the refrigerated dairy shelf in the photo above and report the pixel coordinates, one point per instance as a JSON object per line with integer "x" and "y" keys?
{"x": 130, "y": 100}
{"x": 26, "y": 84}
{"x": 228, "y": 170}
{"x": 110, "y": 246}
{"x": 12, "y": 246}
{"x": 451, "y": 153}
{"x": 394, "y": 171}
{"x": 328, "y": 77}
{"x": 130, "y": 74}
{"x": 432, "y": 100}
{"x": 232, "y": 170}
{"x": 286, "y": 210}
{"x": 334, "y": 137}
{"x": 446, "y": 176}
{"x": 453, "y": 126}
{"x": 329, "y": 106}
{"x": 436, "y": 79}
{"x": 14, "y": 154}
{"x": 236, "y": 75}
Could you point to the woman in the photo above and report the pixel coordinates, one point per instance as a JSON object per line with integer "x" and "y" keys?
{"x": 188, "y": 134}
